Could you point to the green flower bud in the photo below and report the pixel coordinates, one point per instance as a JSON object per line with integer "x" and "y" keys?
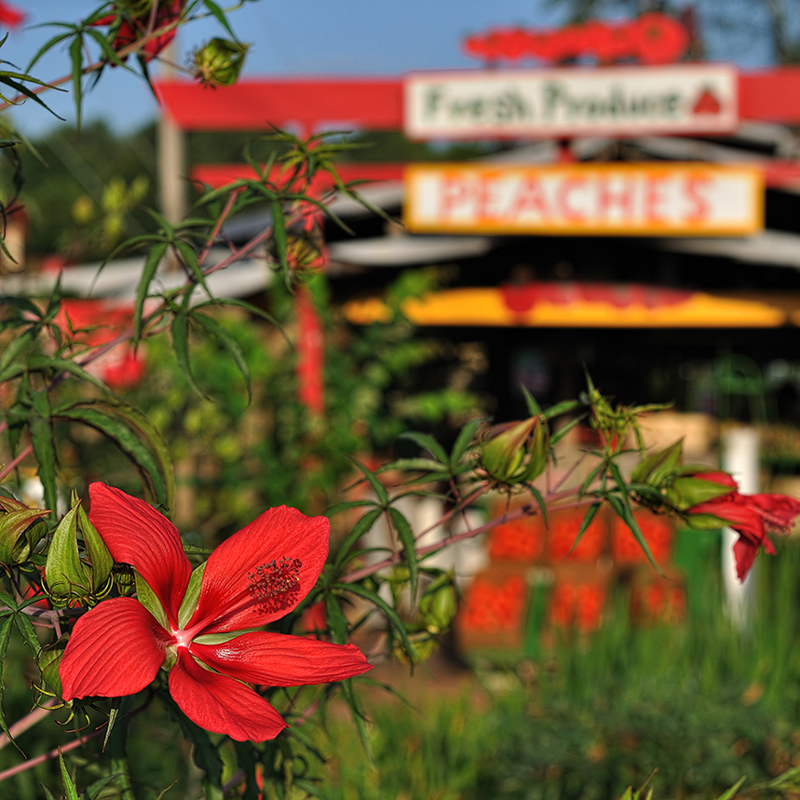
{"x": 689, "y": 491}
{"x": 49, "y": 660}
{"x": 21, "y": 529}
{"x": 659, "y": 468}
{"x": 77, "y": 575}
{"x": 438, "y": 606}
{"x": 517, "y": 454}
{"x": 219, "y": 62}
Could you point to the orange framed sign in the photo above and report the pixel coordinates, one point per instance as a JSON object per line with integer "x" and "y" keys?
{"x": 633, "y": 199}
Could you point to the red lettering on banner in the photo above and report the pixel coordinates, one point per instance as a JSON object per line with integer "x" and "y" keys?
{"x": 699, "y": 206}
{"x": 606, "y": 198}
{"x": 485, "y": 199}
{"x": 653, "y": 199}
{"x": 565, "y": 189}
{"x": 454, "y": 193}
{"x": 530, "y": 197}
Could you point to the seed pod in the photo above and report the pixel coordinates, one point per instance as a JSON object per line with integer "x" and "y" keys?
{"x": 21, "y": 529}
{"x": 219, "y": 62}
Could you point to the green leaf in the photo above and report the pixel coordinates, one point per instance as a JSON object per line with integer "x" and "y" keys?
{"x": 730, "y": 793}
{"x": 76, "y": 57}
{"x": 380, "y": 603}
{"x": 377, "y": 486}
{"x": 151, "y": 263}
{"x": 565, "y": 429}
{"x": 362, "y": 525}
{"x": 623, "y": 510}
{"x": 14, "y": 350}
{"x": 61, "y": 365}
{"x": 44, "y": 448}
{"x": 219, "y": 14}
{"x": 25, "y": 627}
{"x": 561, "y": 408}
{"x": 540, "y": 501}
{"x": 228, "y": 343}
{"x": 135, "y": 435}
{"x": 427, "y": 442}
{"x": 590, "y": 478}
{"x": 463, "y": 441}
{"x": 534, "y": 409}
{"x": 5, "y": 635}
{"x": 189, "y": 258}
{"x": 206, "y": 753}
{"x": 409, "y": 547}
{"x": 357, "y": 712}
{"x": 337, "y": 621}
{"x": 415, "y": 465}
{"x": 591, "y": 513}
{"x": 180, "y": 342}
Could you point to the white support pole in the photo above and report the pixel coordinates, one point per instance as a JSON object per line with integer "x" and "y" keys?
{"x": 171, "y": 153}
{"x": 740, "y": 458}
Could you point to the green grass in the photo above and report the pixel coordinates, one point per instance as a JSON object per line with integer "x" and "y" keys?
{"x": 701, "y": 702}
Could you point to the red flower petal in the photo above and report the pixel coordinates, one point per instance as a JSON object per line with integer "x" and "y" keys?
{"x": 274, "y": 659}
{"x": 221, "y": 704}
{"x": 138, "y": 535}
{"x": 115, "y": 649}
{"x": 250, "y": 579}
{"x": 744, "y": 553}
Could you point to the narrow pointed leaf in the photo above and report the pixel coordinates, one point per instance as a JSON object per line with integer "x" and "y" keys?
{"x": 409, "y": 547}
{"x": 228, "y": 343}
{"x": 5, "y": 635}
{"x": 375, "y": 484}
{"x": 428, "y": 443}
{"x": 733, "y": 790}
{"x": 180, "y": 343}
{"x": 24, "y": 626}
{"x": 151, "y": 263}
{"x": 76, "y": 57}
{"x": 623, "y": 511}
{"x": 591, "y": 513}
{"x": 362, "y": 525}
{"x": 44, "y": 449}
{"x": 463, "y": 441}
{"x": 391, "y": 614}
{"x": 534, "y": 409}
{"x": 136, "y": 436}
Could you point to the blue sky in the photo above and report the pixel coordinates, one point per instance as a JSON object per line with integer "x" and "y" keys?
{"x": 310, "y": 37}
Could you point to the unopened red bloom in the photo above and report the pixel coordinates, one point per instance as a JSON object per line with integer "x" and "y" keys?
{"x": 10, "y": 16}
{"x": 752, "y": 516}
{"x": 204, "y": 632}
{"x": 134, "y": 27}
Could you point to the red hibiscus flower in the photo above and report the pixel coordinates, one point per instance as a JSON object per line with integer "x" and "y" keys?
{"x": 256, "y": 576}
{"x": 751, "y": 516}
{"x": 135, "y": 27}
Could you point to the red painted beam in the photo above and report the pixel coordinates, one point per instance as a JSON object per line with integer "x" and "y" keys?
{"x": 770, "y": 96}
{"x": 369, "y": 103}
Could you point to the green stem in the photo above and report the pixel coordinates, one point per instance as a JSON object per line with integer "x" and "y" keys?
{"x": 116, "y": 748}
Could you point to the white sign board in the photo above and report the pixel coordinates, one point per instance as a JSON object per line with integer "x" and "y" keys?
{"x": 613, "y": 101}
{"x": 644, "y": 199}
